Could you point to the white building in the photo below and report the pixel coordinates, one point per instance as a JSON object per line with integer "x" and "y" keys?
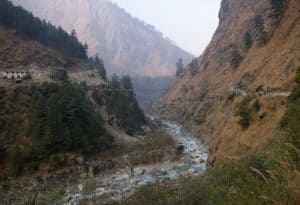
{"x": 13, "y": 75}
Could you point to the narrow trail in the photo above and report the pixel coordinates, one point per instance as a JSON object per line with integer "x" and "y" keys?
{"x": 264, "y": 94}
{"x": 125, "y": 182}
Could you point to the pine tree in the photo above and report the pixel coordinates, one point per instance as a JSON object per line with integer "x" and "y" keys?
{"x": 99, "y": 65}
{"x": 180, "y": 67}
{"x": 26, "y": 25}
{"x": 193, "y": 66}
{"x": 247, "y": 41}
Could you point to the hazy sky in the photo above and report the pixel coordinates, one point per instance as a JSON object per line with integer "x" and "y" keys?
{"x": 189, "y": 23}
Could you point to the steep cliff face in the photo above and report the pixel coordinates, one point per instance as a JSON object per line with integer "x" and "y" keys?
{"x": 126, "y": 44}
{"x": 254, "y": 52}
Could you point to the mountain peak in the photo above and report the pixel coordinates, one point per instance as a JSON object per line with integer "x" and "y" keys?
{"x": 126, "y": 44}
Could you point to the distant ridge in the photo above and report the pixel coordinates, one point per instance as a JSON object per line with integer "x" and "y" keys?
{"x": 127, "y": 45}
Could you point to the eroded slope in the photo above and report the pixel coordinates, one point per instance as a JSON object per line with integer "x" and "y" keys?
{"x": 254, "y": 52}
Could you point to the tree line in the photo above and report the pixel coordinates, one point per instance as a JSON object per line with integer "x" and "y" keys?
{"x": 121, "y": 103}
{"x": 27, "y": 25}
{"x": 61, "y": 118}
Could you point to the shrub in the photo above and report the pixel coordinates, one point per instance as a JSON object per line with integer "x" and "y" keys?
{"x": 231, "y": 96}
{"x": 247, "y": 41}
{"x": 291, "y": 120}
{"x": 242, "y": 111}
{"x": 60, "y": 75}
{"x": 261, "y": 34}
{"x": 180, "y": 68}
{"x": 184, "y": 88}
{"x": 193, "y": 66}
{"x": 16, "y": 165}
{"x": 95, "y": 63}
{"x": 278, "y": 6}
{"x": 57, "y": 161}
{"x": 256, "y": 105}
{"x": 235, "y": 59}
{"x": 192, "y": 87}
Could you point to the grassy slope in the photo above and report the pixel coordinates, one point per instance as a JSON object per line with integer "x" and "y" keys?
{"x": 206, "y": 108}
{"x": 268, "y": 175}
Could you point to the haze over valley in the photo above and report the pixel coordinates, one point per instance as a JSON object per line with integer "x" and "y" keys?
{"x": 99, "y": 107}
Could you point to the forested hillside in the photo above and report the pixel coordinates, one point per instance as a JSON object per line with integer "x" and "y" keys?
{"x": 64, "y": 106}
{"x": 28, "y": 26}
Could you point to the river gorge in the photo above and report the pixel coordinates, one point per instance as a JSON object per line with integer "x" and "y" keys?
{"x": 122, "y": 183}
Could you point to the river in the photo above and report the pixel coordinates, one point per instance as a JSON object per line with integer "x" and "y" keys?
{"x": 124, "y": 182}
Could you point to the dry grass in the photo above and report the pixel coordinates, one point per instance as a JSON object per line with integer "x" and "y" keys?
{"x": 156, "y": 147}
{"x": 268, "y": 175}
{"x": 269, "y": 66}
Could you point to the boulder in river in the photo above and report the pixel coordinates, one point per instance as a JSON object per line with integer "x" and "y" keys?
{"x": 122, "y": 177}
{"x": 80, "y": 187}
{"x": 180, "y": 149}
{"x": 192, "y": 171}
{"x": 134, "y": 181}
{"x": 80, "y": 160}
{"x": 199, "y": 161}
{"x": 139, "y": 171}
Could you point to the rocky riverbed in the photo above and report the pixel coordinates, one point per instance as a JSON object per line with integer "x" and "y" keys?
{"x": 121, "y": 184}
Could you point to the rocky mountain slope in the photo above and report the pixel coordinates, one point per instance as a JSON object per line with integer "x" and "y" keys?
{"x": 126, "y": 44}
{"x": 235, "y": 93}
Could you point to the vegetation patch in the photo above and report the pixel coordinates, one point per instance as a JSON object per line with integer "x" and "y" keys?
{"x": 157, "y": 146}
{"x": 260, "y": 177}
{"x": 261, "y": 35}
{"x": 60, "y": 118}
{"x": 14, "y": 105}
{"x": 235, "y": 59}
{"x": 59, "y": 75}
{"x": 243, "y": 112}
{"x": 193, "y": 66}
{"x": 57, "y": 117}
{"x": 291, "y": 120}
{"x": 244, "y": 182}
{"x": 184, "y": 89}
{"x": 31, "y": 27}
{"x": 247, "y": 41}
{"x": 278, "y": 7}
{"x": 180, "y": 68}
{"x": 95, "y": 63}
{"x": 120, "y": 102}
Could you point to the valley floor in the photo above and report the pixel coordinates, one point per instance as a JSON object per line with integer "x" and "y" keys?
{"x": 165, "y": 154}
{"x": 120, "y": 185}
